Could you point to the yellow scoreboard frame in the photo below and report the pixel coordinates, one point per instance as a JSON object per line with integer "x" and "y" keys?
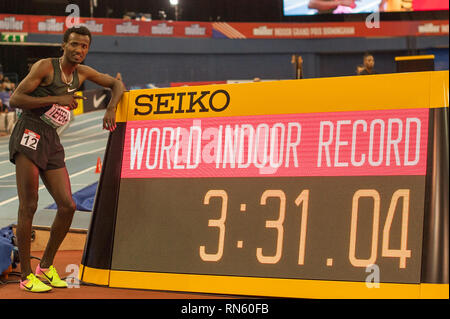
{"x": 128, "y": 207}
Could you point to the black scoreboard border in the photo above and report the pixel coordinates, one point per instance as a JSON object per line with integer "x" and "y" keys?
{"x": 100, "y": 238}
{"x": 435, "y": 249}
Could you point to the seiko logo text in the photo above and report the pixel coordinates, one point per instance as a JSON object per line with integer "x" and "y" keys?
{"x": 189, "y": 102}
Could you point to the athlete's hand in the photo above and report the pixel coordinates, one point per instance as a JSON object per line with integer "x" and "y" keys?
{"x": 70, "y": 100}
{"x": 109, "y": 120}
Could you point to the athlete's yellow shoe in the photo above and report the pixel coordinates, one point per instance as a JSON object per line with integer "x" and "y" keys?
{"x": 33, "y": 284}
{"x": 50, "y": 275}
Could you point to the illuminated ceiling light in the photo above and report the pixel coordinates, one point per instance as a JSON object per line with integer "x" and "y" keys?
{"x": 174, "y": 2}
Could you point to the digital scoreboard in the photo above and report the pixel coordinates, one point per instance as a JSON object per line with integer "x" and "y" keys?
{"x": 300, "y": 188}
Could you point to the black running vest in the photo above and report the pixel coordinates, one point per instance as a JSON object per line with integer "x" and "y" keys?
{"x": 57, "y": 87}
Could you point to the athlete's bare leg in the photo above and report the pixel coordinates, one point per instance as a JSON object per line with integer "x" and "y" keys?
{"x": 27, "y": 178}
{"x": 58, "y": 184}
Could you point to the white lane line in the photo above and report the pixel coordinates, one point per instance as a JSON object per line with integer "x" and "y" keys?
{"x": 84, "y": 130}
{"x": 64, "y": 140}
{"x": 92, "y": 168}
{"x": 6, "y": 175}
{"x": 77, "y": 123}
{"x": 84, "y": 143}
{"x": 9, "y": 200}
{"x": 86, "y": 153}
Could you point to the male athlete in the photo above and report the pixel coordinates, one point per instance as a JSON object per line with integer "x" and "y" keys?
{"x": 46, "y": 96}
{"x": 369, "y": 63}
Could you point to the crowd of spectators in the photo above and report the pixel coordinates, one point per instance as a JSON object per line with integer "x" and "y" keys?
{"x": 6, "y": 89}
{"x": 7, "y": 114}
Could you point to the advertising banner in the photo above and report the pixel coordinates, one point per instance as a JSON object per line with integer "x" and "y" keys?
{"x": 231, "y": 30}
{"x": 104, "y": 26}
{"x": 235, "y": 30}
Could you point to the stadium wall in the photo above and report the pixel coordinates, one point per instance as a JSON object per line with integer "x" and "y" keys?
{"x": 143, "y": 60}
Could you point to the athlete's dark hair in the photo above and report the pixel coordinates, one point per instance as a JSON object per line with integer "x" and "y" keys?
{"x": 80, "y": 30}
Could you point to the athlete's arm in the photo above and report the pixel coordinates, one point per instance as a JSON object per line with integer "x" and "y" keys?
{"x": 39, "y": 71}
{"x": 323, "y": 5}
{"x": 105, "y": 80}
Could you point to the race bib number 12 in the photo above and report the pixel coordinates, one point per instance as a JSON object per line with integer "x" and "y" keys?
{"x": 30, "y": 139}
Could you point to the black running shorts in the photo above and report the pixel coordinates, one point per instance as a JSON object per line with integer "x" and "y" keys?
{"x": 38, "y": 141}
